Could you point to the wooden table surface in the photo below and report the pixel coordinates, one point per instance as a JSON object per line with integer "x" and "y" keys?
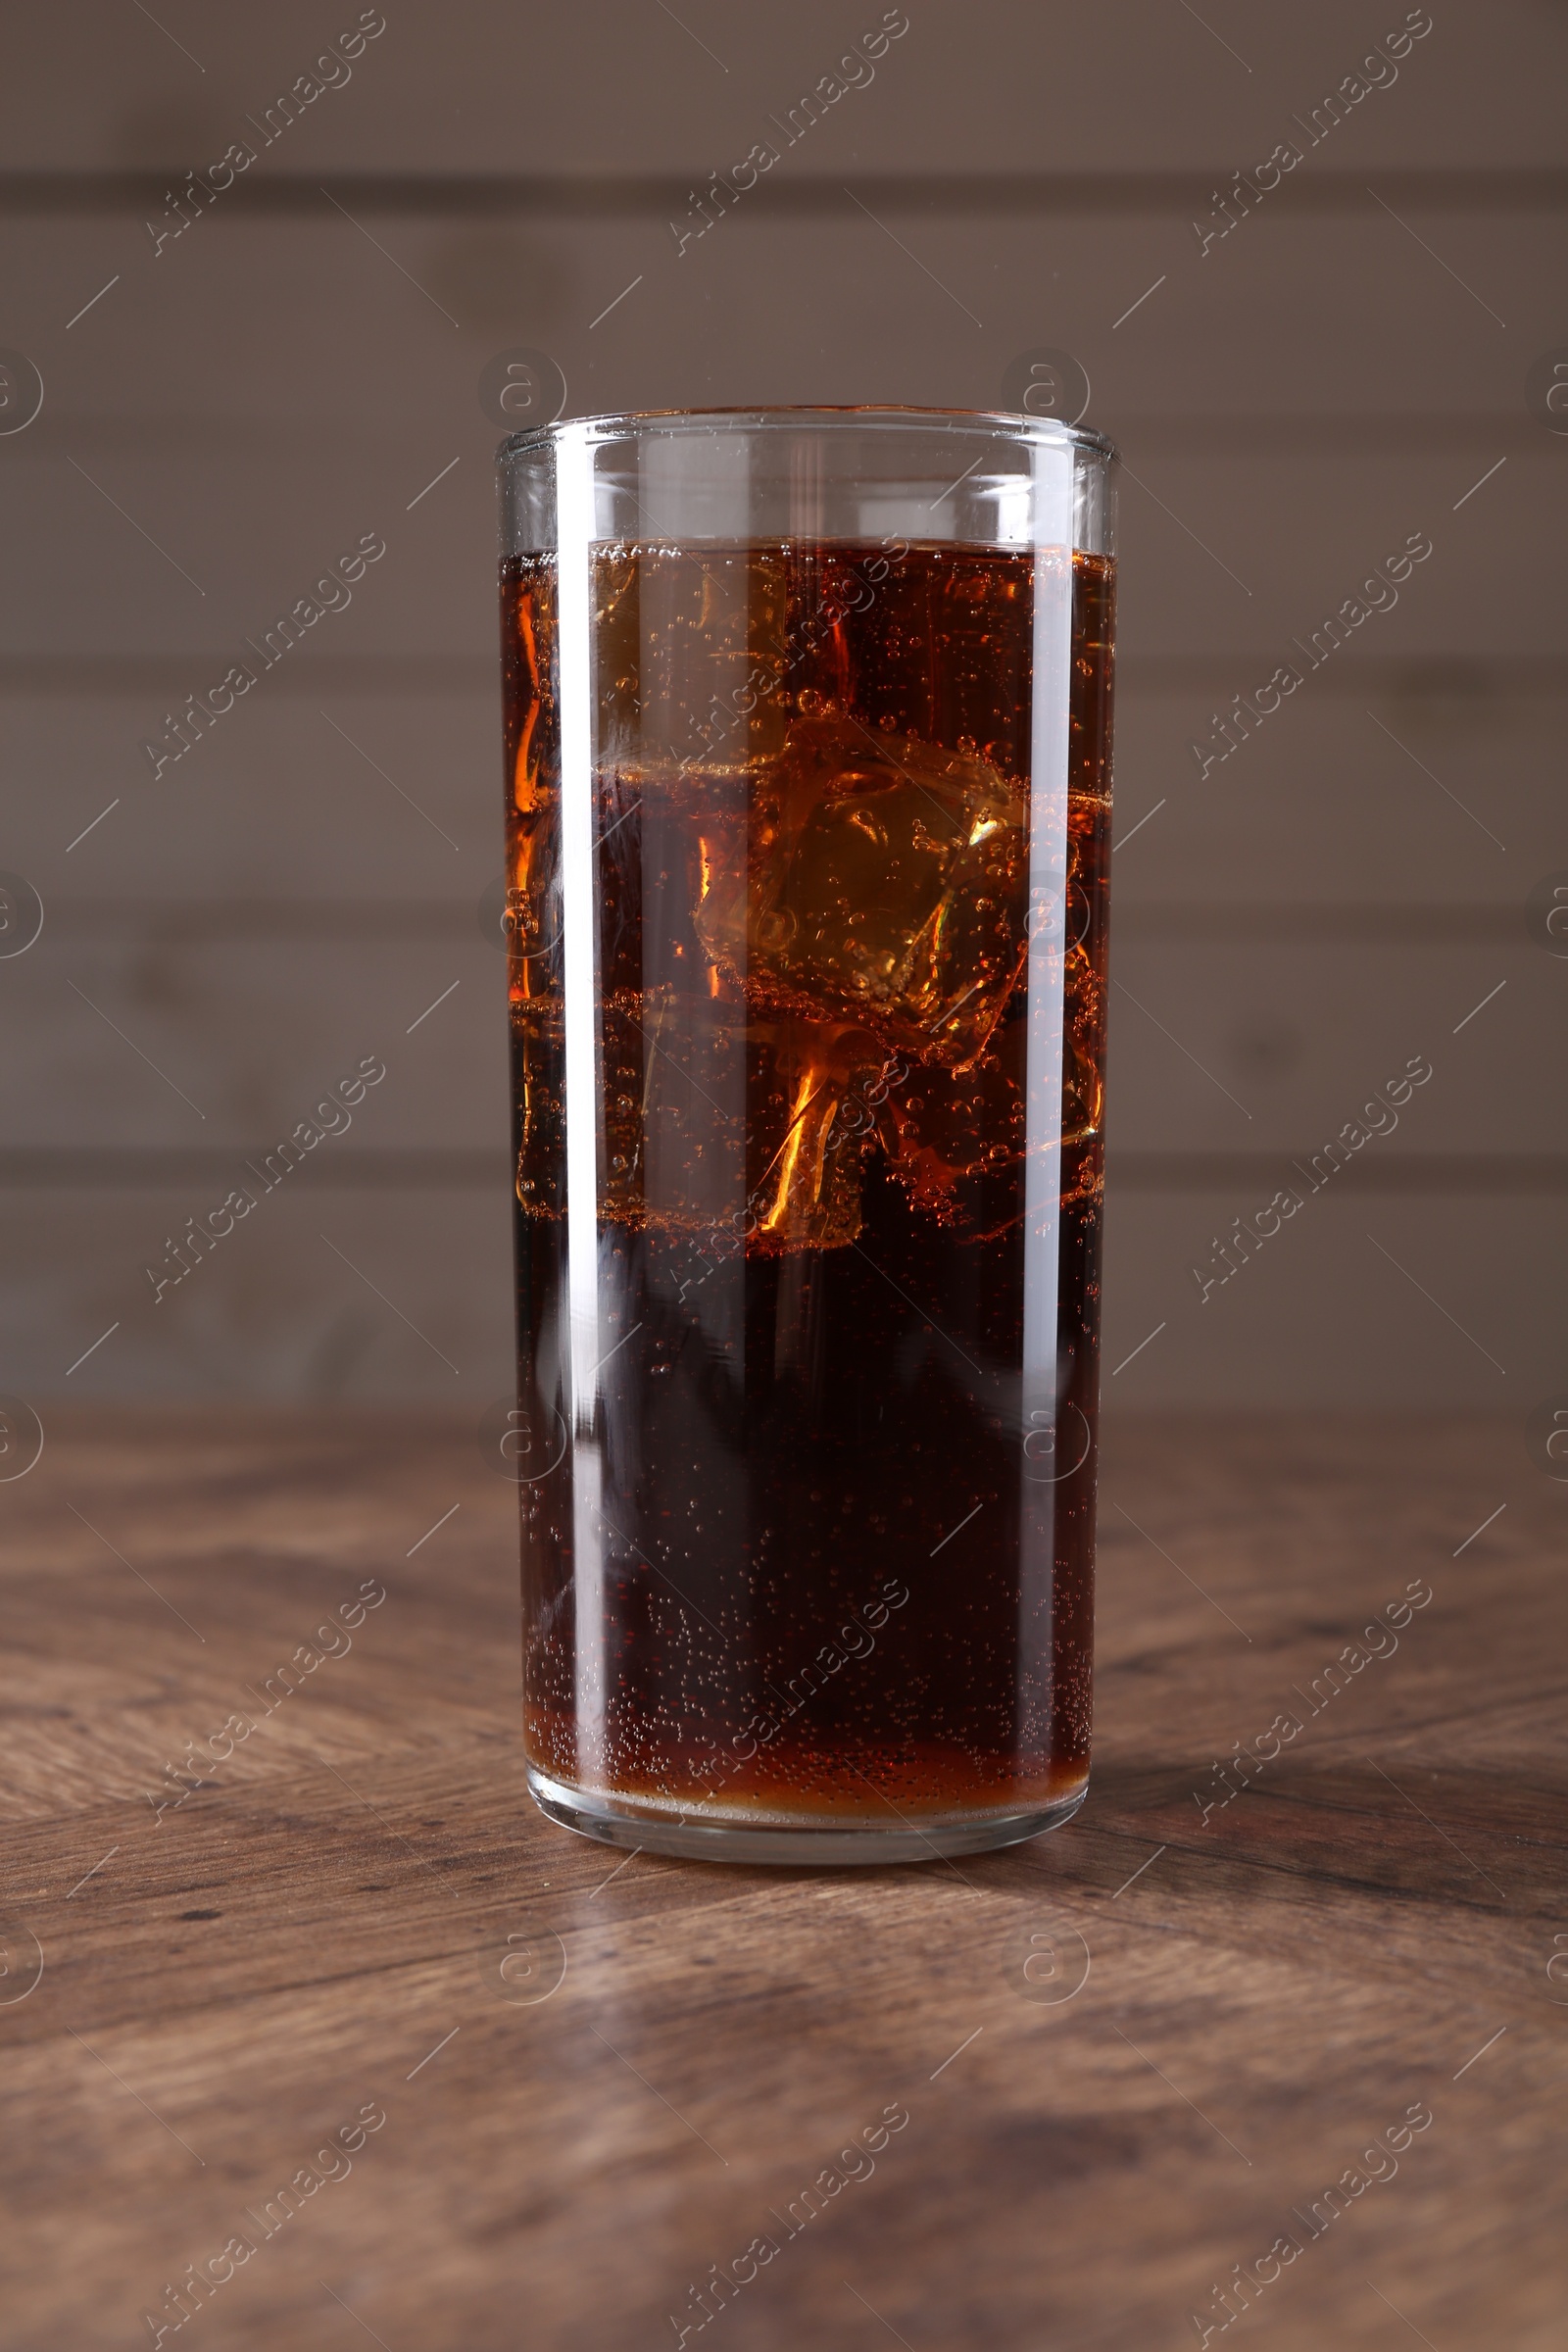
{"x": 293, "y": 1977}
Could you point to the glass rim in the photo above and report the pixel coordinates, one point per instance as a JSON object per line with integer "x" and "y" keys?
{"x": 1006, "y": 423}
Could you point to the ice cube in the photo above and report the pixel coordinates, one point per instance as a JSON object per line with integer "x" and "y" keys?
{"x": 885, "y": 882}
{"x": 943, "y": 1127}
{"x": 804, "y": 1177}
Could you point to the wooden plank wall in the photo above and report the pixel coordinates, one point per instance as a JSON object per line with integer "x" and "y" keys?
{"x": 1361, "y": 357}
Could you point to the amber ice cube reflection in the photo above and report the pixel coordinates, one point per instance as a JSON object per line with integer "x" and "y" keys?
{"x": 872, "y": 910}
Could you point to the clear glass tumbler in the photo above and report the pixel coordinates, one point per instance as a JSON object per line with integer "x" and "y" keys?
{"x": 808, "y": 791}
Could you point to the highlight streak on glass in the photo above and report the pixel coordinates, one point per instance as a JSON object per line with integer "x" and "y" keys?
{"x": 1048, "y": 915}
{"x": 575, "y": 592}
{"x": 1050, "y": 741}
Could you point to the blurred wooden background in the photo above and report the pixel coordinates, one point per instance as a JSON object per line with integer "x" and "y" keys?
{"x": 1360, "y": 359}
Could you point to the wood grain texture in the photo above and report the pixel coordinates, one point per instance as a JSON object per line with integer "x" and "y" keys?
{"x": 228, "y": 1983}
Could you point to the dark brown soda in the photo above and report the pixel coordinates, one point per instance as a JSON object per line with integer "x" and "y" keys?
{"x": 841, "y": 1573}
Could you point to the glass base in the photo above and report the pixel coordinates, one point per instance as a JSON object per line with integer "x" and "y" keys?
{"x": 621, "y": 1820}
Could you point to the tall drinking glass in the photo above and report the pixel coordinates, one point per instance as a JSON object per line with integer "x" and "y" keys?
{"x": 808, "y": 791}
